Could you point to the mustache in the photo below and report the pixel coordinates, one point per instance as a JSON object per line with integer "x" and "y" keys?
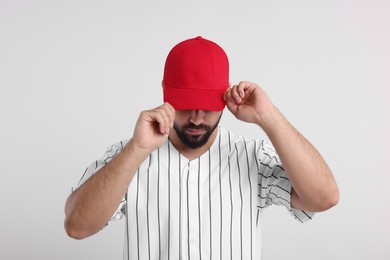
{"x": 195, "y": 127}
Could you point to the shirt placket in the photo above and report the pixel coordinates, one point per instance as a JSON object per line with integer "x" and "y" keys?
{"x": 190, "y": 211}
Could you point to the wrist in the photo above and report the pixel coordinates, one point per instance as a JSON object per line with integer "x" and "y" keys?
{"x": 136, "y": 150}
{"x": 271, "y": 120}
{"x": 132, "y": 153}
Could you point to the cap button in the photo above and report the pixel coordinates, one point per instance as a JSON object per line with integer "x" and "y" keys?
{"x": 199, "y": 38}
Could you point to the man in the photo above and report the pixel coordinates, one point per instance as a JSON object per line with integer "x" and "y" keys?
{"x": 190, "y": 189}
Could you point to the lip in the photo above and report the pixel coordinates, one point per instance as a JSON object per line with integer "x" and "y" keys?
{"x": 195, "y": 131}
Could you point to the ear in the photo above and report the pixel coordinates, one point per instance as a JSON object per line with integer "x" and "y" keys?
{"x": 162, "y": 85}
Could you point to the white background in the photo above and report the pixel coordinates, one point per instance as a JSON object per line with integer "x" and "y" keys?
{"x": 74, "y": 76}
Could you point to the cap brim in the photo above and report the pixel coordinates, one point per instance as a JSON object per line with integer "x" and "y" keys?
{"x": 194, "y": 99}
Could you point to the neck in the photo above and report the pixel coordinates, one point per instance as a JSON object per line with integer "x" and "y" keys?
{"x": 191, "y": 153}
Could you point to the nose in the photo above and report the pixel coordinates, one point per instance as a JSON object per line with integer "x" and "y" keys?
{"x": 197, "y": 117}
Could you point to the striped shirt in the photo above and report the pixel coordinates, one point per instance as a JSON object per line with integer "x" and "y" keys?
{"x": 206, "y": 208}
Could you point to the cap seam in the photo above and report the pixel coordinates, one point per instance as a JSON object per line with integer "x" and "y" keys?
{"x": 194, "y": 88}
{"x": 212, "y": 64}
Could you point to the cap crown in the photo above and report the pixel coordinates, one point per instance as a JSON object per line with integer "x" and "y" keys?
{"x": 196, "y": 66}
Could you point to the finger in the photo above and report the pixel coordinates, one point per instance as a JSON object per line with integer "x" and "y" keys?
{"x": 171, "y": 112}
{"x": 234, "y": 93}
{"x": 168, "y": 106}
{"x": 169, "y": 117}
{"x": 164, "y": 122}
{"x": 231, "y": 105}
{"x": 228, "y": 95}
{"x": 242, "y": 87}
{"x": 156, "y": 120}
{"x": 168, "y": 113}
{"x": 160, "y": 116}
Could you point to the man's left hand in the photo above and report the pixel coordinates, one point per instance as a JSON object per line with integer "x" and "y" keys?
{"x": 247, "y": 102}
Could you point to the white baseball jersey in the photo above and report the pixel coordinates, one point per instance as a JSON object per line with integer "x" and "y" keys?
{"x": 206, "y": 208}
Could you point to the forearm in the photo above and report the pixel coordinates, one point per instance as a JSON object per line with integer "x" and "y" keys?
{"x": 313, "y": 185}
{"x": 91, "y": 206}
{"x": 314, "y": 188}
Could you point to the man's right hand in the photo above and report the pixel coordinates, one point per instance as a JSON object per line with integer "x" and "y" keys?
{"x": 152, "y": 128}
{"x": 91, "y": 206}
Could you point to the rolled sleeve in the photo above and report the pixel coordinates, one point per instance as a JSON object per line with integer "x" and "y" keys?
{"x": 95, "y": 166}
{"x": 275, "y": 187}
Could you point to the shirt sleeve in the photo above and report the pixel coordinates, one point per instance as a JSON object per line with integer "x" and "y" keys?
{"x": 110, "y": 153}
{"x": 274, "y": 185}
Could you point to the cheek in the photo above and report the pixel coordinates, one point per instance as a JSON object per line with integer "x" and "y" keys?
{"x": 213, "y": 117}
{"x": 180, "y": 122}
{"x": 181, "y": 117}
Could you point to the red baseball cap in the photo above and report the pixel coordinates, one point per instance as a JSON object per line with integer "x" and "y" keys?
{"x": 196, "y": 75}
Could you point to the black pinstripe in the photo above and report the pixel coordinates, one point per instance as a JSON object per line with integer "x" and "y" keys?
{"x": 211, "y": 230}
{"x": 158, "y": 199}
{"x": 231, "y": 199}
{"x": 147, "y": 205}
{"x": 180, "y": 213}
{"x": 241, "y": 199}
{"x": 250, "y": 197}
{"x": 220, "y": 196}
{"x": 199, "y": 213}
{"x": 127, "y": 229}
{"x": 156, "y": 228}
{"x": 136, "y": 211}
{"x": 188, "y": 218}
{"x": 169, "y": 199}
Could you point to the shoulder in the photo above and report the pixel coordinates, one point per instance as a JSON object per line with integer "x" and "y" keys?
{"x": 259, "y": 147}
{"x": 238, "y": 140}
{"x": 114, "y": 149}
{"x": 119, "y": 145}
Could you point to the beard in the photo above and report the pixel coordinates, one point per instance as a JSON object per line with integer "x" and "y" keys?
{"x": 195, "y": 141}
